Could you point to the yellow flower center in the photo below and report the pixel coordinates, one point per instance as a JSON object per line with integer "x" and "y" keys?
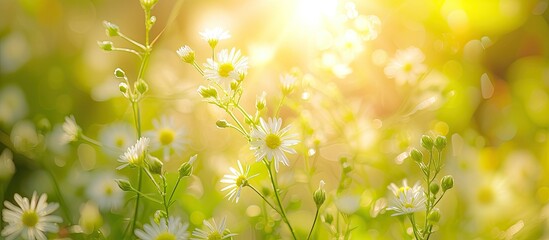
{"x": 108, "y": 190}
{"x": 241, "y": 181}
{"x": 407, "y": 67}
{"x": 225, "y": 69}
{"x": 214, "y": 236}
{"x": 166, "y": 136}
{"x": 165, "y": 236}
{"x": 29, "y": 218}
{"x": 402, "y": 190}
{"x": 272, "y": 141}
{"x": 485, "y": 195}
{"x": 408, "y": 205}
{"x": 119, "y": 142}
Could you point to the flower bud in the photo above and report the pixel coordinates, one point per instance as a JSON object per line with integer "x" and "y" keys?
{"x": 234, "y": 85}
{"x": 186, "y": 168}
{"x": 186, "y": 54}
{"x": 416, "y": 155}
{"x": 141, "y": 86}
{"x": 434, "y": 188}
{"x": 154, "y": 165}
{"x": 111, "y": 29}
{"x": 328, "y": 218}
{"x": 207, "y": 92}
{"x": 123, "y": 87}
{"x": 434, "y": 216}
{"x": 222, "y": 124}
{"x": 440, "y": 142}
{"x": 124, "y": 185}
{"x": 105, "y": 45}
{"x": 119, "y": 73}
{"x": 148, "y": 4}
{"x": 319, "y": 196}
{"x": 447, "y": 182}
{"x": 260, "y": 102}
{"x": 427, "y": 142}
{"x": 159, "y": 214}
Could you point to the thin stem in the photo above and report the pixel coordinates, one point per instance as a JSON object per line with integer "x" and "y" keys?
{"x": 90, "y": 140}
{"x": 412, "y": 220}
{"x": 198, "y": 68}
{"x": 280, "y": 105}
{"x": 131, "y": 41}
{"x": 268, "y": 165}
{"x": 174, "y": 188}
{"x": 127, "y": 50}
{"x": 62, "y": 202}
{"x": 146, "y": 196}
{"x": 314, "y": 222}
{"x": 265, "y": 199}
{"x": 246, "y": 115}
{"x": 137, "y": 198}
{"x": 152, "y": 179}
{"x": 163, "y": 193}
{"x": 237, "y": 122}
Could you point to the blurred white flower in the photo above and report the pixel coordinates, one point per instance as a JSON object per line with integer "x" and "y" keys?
{"x": 406, "y": 66}
{"x": 214, "y": 231}
{"x": 104, "y": 191}
{"x": 29, "y": 220}
{"x": 237, "y": 181}
{"x": 186, "y": 54}
{"x": 288, "y": 83}
{"x": 116, "y": 137}
{"x": 71, "y": 130}
{"x": 213, "y": 36}
{"x": 90, "y": 218}
{"x": 271, "y": 142}
{"x": 13, "y": 106}
{"x": 227, "y": 67}
{"x": 167, "y": 136}
{"x": 171, "y": 229}
{"x": 407, "y": 199}
{"x": 7, "y": 168}
{"x": 347, "y": 203}
{"x": 135, "y": 154}
{"x": 24, "y": 137}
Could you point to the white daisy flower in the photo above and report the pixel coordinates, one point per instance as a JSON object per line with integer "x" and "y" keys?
{"x": 71, "y": 130}
{"x": 406, "y": 66}
{"x": 167, "y": 136}
{"x": 186, "y": 54}
{"x": 227, "y": 67}
{"x": 212, "y": 36}
{"x": 25, "y": 138}
{"x": 172, "y": 229}
{"x": 236, "y": 181}
{"x": 135, "y": 154}
{"x": 29, "y": 220}
{"x": 213, "y": 232}
{"x": 117, "y": 137}
{"x": 288, "y": 83}
{"x": 407, "y": 199}
{"x": 270, "y": 141}
{"x": 104, "y": 191}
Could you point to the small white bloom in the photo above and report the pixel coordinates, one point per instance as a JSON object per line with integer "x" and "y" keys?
{"x": 288, "y": 83}
{"x": 237, "y": 181}
{"x": 213, "y": 36}
{"x": 13, "y": 106}
{"x": 117, "y": 137}
{"x": 213, "y": 232}
{"x": 29, "y": 220}
{"x": 407, "y": 199}
{"x": 406, "y": 66}
{"x": 171, "y": 229}
{"x": 7, "y": 168}
{"x": 186, "y": 54}
{"x": 104, "y": 191}
{"x": 167, "y": 136}
{"x": 135, "y": 154}
{"x": 24, "y": 137}
{"x": 271, "y": 142}
{"x": 228, "y": 66}
{"x": 71, "y": 130}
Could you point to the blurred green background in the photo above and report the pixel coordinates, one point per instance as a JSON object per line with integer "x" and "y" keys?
{"x": 486, "y": 90}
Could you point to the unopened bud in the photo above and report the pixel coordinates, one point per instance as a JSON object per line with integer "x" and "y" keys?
{"x": 440, "y": 142}
{"x": 207, "y": 92}
{"x": 159, "y": 214}
{"x": 328, "y": 218}
{"x": 416, "y": 155}
{"x": 260, "y": 102}
{"x": 447, "y": 182}
{"x": 124, "y": 185}
{"x": 234, "y": 85}
{"x": 123, "y": 87}
{"x": 427, "y": 142}
{"x": 434, "y": 216}
{"x": 141, "y": 86}
{"x": 148, "y": 4}
{"x": 222, "y": 124}
{"x": 319, "y": 196}
{"x": 111, "y": 29}
{"x": 154, "y": 165}
{"x": 186, "y": 168}
{"x": 105, "y": 45}
{"x": 119, "y": 73}
{"x": 434, "y": 188}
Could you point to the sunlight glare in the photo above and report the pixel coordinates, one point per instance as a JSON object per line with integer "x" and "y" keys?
{"x": 310, "y": 13}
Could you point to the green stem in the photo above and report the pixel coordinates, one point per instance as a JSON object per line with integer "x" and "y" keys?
{"x": 163, "y": 193}
{"x": 412, "y": 220}
{"x": 280, "y": 105}
{"x": 62, "y": 202}
{"x": 146, "y": 196}
{"x": 173, "y": 191}
{"x": 246, "y": 115}
{"x": 265, "y": 199}
{"x": 137, "y": 198}
{"x": 152, "y": 179}
{"x": 131, "y": 41}
{"x": 90, "y": 140}
{"x": 275, "y": 189}
{"x": 126, "y": 50}
{"x": 314, "y": 222}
